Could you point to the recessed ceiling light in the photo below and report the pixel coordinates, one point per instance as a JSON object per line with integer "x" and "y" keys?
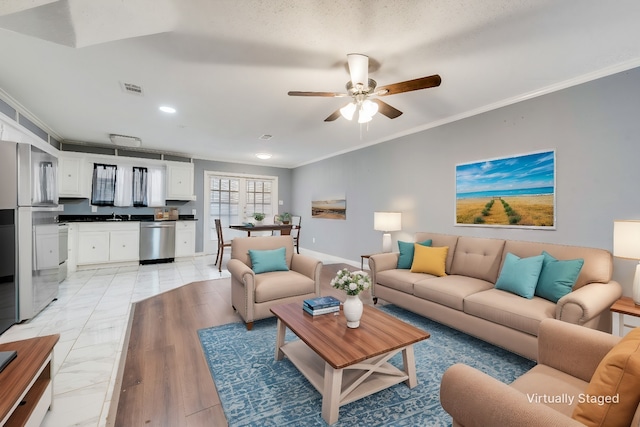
{"x": 167, "y": 109}
{"x": 265, "y": 137}
{"x": 263, "y": 156}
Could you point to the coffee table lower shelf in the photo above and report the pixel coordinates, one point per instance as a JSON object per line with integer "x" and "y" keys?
{"x": 341, "y": 386}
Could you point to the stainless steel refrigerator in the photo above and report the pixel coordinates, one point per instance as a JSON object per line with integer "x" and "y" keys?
{"x": 29, "y": 189}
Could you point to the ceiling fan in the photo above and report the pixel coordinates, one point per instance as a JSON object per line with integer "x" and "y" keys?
{"x": 363, "y": 91}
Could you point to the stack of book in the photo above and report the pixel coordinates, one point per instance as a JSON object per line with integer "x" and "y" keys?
{"x": 321, "y": 305}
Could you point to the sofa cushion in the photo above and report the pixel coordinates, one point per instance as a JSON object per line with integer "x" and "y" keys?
{"x": 429, "y": 260}
{"x": 405, "y": 259}
{"x": 510, "y": 310}
{"x": 598, "y": 263}
{"x": 618, "y": 374}
{"x": 557, "y": 277}
{"x": 438, "y": 239}
{"x": 264, "y": 261}
{"x": 449, "y": 290}
{"x": 520, "y": 275}
{"x": 477, "y": 257}
{"x": 281, "y": 284}
{"x": 544, "y": 381}
{"x": 400, "y": 279}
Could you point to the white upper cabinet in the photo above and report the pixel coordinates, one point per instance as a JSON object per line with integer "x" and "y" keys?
{"x": 74, "y": 181}
{"x": 180, "y": 181}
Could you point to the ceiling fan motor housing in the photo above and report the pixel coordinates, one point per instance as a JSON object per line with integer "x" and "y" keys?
{"x": 371, "y": 86}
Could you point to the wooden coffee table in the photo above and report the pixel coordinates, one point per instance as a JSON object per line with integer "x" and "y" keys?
{"x": 346, "y": 364}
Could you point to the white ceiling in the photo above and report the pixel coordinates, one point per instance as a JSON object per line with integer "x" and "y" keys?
{"x": 227, "y": 65}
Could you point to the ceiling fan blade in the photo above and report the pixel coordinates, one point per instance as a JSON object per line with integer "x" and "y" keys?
{"x": 386, "y": 109}
{"x": 409, "y": 85}
{"x": 333, "y": 116}
{"x": 327, "y": 94}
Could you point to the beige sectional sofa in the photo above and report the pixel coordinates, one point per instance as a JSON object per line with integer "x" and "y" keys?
{"x": 466, "y": 298}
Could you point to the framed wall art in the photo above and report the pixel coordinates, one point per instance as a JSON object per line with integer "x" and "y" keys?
{"x": 329, "y": 209}
{"x": 517, "y": 191}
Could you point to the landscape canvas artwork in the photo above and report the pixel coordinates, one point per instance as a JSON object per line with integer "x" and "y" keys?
{"x": 329, "y": 209}
{"x": 516, "y": 191}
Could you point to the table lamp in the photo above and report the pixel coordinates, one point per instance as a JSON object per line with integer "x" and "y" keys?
{"x": 626, "y": 244}
{"x": 386, "y": 222}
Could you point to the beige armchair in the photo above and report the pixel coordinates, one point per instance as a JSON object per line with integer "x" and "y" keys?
{"x": 253, "y": 295}
{"x": 568, "y": 357}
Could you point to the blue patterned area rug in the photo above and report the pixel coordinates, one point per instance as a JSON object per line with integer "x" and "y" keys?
{"x": 255, "y": 390}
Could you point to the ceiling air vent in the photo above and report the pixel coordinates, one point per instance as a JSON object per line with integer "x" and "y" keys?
{"x": 131, "y": 88}
{"x": 125, "y": 141}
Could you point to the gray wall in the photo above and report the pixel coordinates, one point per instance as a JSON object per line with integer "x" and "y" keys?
{"x": 200, "y": 166}
{"x": 594, "y": 128}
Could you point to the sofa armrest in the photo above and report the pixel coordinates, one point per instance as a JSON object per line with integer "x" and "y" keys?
{"x": 572, "y": 349}
{"x": 309, "y": 267}
{"x": 242, "y": 273}
{"x": 473, "y": 398}
{"x": 588, "y": 302}
{"x": 381, "y": 262}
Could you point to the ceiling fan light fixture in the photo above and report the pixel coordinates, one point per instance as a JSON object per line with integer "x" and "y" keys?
{"x": 370, "y": 107}
{"x": 359, "y": 69}
{"x": 348, "y": 110}
{"x": 363, "y": 117}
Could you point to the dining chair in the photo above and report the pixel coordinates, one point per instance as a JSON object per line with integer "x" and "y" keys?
{"x": 295, "y": 231}
{"x": 221, "y": 244}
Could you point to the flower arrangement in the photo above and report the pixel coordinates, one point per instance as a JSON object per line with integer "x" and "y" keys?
{"x": 351, "y": 283}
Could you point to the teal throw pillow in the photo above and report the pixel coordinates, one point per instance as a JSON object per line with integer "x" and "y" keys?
{"x": 406, "y": 252}
{"x": 268, "y": 260}
{"x": 520, "y": 275}
{"x": 557, "y": 277}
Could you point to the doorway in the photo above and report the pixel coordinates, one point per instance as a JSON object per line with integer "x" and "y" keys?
{"x": 234, "y": 198}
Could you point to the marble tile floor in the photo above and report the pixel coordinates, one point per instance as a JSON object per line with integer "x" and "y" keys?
{"x": 91, "y": 315}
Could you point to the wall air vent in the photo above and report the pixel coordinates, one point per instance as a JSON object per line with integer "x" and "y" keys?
{"x": 132, "y": 89}
{"x": 125, "y": 141}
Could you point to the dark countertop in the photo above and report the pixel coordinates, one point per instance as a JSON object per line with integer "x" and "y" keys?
{"x": 125, "y": 218}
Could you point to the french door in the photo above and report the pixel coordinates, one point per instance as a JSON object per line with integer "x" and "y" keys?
{"x": 234, "y": 198}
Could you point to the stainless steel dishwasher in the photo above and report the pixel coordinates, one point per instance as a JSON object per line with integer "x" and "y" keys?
{"x": 157, "y": 241}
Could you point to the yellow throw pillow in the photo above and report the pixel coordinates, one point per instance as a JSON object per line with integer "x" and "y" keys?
{"x": 430, "y": 260}
{"x": 613, "y": 394}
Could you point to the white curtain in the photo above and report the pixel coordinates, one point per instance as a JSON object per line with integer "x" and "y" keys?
{"x": 155, "y": 186}
{"x": 124, "y": 187}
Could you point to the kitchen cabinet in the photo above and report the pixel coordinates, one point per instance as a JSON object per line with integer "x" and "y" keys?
{"x": 180, "y": 181}
{"x": 103, "y": 242}
{"x": 72, "y": 177}
{"x": 185, "y": 238}
{"x": 124, "y": 245}
{"x": 93, "y": 247}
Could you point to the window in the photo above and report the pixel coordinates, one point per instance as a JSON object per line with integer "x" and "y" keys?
{"x": 103, "y": 187}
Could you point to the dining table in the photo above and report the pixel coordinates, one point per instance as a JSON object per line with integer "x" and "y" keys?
{"x": 285, "y": 229}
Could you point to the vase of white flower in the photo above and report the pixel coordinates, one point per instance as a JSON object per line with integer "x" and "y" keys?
{"x": 353, "y": 309}
{"x": 352, "y": 283}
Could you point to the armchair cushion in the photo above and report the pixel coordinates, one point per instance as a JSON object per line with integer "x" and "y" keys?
{"x": 614, "y": 387}
{"x": 264, "y": 261}
{"x": 277, "y": 285}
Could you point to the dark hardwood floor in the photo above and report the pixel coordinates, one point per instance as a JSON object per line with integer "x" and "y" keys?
{"x": 163, "y": 378}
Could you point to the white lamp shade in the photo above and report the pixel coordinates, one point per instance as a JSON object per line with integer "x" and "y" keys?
{"x": 348, "y": 110}
{"x": 387, "y": 221}
{"x": 626, "y": 239}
